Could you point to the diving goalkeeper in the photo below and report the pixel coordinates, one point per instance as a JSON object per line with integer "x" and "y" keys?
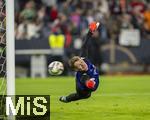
{"x": 87, "y": 75}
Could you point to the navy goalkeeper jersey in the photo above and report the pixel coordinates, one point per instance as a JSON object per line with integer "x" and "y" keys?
{"x": 92, "y": 72}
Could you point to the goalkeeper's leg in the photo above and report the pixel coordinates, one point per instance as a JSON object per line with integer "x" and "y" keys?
{"x": 75, "y": 96}
{"x": 78, "y": 96}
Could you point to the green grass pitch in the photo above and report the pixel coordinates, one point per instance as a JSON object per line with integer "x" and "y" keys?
{"x": 118, "y": 97}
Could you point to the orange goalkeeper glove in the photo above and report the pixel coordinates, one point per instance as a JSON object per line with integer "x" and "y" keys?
{"x": 93, "y": 26}
{"x": 90, "y": 83}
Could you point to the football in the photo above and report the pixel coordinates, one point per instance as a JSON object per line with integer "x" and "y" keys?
{"x": 55, "y": 68}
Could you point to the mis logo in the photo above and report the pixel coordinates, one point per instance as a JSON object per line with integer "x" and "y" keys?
{"x": 27, "y": 107}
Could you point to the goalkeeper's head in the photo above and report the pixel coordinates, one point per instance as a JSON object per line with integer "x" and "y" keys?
{"x": 78, "y": 64}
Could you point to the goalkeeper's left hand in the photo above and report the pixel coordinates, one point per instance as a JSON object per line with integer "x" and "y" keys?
{"x": 90, "y": 83}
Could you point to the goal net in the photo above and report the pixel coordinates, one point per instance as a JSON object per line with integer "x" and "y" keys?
{"x": 2, "y": 57}
{"x": 7, "y": 54}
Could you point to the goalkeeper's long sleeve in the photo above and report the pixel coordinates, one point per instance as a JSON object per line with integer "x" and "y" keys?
{"x": 84, "y": 48}
{"x": 92, "y": 27}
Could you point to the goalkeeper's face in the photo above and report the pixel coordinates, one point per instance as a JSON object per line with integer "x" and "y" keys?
{"x": 80, "y": 65}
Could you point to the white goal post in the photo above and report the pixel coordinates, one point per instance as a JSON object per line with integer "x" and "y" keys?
{"x": 10, "y": 50}
{"x": 10, "y": 47}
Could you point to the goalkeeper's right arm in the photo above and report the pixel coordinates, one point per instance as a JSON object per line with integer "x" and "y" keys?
{"x": 84, "y": 49}
{"x": 92, "y": 28}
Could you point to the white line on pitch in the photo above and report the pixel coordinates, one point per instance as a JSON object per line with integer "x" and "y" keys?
{"x": 123, "y": 94}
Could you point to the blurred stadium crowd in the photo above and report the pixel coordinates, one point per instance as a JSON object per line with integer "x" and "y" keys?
{"x": 67, "y": 21}
{"x": 71, "y": 17}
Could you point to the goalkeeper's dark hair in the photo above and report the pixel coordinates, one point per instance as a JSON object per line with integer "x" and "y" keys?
{"x": 72, "y": 61}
